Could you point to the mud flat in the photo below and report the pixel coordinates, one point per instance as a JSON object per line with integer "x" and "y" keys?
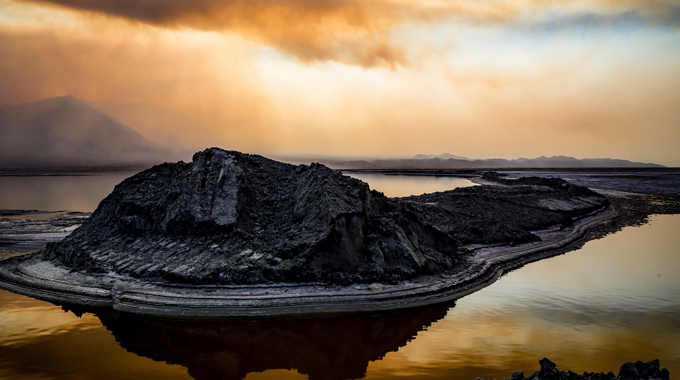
{"x": 33, "y": 229}
{"x": 232, "y": 234}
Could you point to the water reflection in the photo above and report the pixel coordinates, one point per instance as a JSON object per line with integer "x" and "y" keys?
{"x": 333, "y": 347}
{"x": 39, "y": 340}
{"x": 405, "y": 185}
{"x": 58, "y": 192}
{"x": 616, "y": 299}
{"x": 329, "y": 347}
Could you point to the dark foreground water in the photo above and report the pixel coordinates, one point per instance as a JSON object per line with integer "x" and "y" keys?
{"x": 617, "y": 299}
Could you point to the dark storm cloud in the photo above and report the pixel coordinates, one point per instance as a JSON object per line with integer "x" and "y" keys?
{"x": 350, "y": 31}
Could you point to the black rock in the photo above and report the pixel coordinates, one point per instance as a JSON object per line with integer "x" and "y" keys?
{"x": 547, "y": 366}
{"x": 234, "y": 218}
{"x": 629, "y": 371}
{"x": 642, "y": 370}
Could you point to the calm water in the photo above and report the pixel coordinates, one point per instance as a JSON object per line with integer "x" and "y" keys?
{"x": 617, "y": 299}
{"x": 55, "y": 193}
{"x": 405, "y": 185}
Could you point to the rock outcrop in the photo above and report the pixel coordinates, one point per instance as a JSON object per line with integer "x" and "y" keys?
{"x": 234, "y": 218}
{"x": 629, "y": 371}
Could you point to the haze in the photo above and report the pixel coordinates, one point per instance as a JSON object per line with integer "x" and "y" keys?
{"x": 390, "y": 78}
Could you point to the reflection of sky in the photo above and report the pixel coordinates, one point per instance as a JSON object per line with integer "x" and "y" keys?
{"x": 55, "y": 193}
{"x": 590, "y": 309}
{"x": 40, "y": 341}
{"x": 403, "y": 186}
{"x": 83, "y": 193}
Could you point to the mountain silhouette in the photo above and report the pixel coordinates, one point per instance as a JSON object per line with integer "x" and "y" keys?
{"x": 164, "y": 126}
{"x": 422, "y": 162}
{"x": 66, "y": 132}
{"x": 444, "y": 156}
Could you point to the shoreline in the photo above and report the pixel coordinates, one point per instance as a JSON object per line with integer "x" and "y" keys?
{"x": 476, "y": 172}
{"x": 42, "y": 280}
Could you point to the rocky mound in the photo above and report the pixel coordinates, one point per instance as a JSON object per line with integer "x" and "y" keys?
{"x": 234, "y": 218}
{"x": 628, "y": 371}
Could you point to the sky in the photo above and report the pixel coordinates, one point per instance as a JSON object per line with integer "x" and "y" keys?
{"x": 369, "y": 78}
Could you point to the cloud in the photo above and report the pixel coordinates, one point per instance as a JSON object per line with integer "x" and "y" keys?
{"x": 346, "y": 31}
{"x": 355, "y": 32}
{"x": 502, "y": 90}
{"x": 197, "y": 73}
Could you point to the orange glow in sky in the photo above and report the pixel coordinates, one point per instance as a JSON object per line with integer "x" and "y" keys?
{"x": 481, "y": 79}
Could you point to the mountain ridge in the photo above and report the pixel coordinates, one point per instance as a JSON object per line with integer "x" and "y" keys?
{"x": 161, "y": 125}
{"x": 443, "y": 156}
{"x": 451, "y": 163}
{"x": 66, "y": 132}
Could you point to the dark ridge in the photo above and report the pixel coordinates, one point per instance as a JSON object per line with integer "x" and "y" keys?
{"x": 497, "y": 163}
{"x": 555, "y": 183}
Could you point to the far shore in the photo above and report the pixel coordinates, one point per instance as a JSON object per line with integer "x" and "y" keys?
{"x": 468, "y": 172}
{"x": 455, "y": 172}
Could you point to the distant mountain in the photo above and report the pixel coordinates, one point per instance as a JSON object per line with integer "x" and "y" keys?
{"x": 161, "y": 125}
{"x": 66, "y": 132}
{"x": 444, "y": 156}
{"x": 452, "y": 163}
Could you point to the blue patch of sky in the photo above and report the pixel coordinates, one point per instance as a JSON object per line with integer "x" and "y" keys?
{"x": 555, "y": 35}
{"x": 623, "y": 23}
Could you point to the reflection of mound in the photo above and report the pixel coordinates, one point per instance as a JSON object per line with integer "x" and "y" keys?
{"x": 331, "y": 347}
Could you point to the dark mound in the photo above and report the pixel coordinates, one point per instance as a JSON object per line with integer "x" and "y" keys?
{"x": 628, "y": 371}
{"x": 234, "y": 218}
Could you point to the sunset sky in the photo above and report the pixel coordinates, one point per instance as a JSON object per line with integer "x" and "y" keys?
{"x": 476, "y": 78}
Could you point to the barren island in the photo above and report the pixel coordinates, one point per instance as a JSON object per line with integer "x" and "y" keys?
{"x": 234, "y": 234}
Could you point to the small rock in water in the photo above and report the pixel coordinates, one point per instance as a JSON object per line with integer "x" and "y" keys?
{"x": 376, "y": 286}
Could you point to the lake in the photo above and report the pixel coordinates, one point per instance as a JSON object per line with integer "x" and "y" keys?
{"x": 616, "y": 299}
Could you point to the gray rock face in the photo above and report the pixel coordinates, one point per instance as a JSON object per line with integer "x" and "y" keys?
{"x": 234, "y": 218}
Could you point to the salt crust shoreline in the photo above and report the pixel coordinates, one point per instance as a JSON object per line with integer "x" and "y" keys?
{"x": 40, "y": 279}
